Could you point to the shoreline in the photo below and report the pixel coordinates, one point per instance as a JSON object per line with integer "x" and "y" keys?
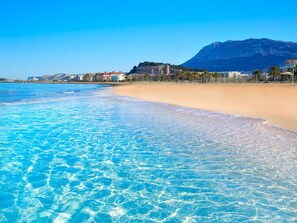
{"x": 50, "y": 82}
{"x": 275, "y": 104}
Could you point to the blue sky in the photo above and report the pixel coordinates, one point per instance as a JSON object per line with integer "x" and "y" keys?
{"x": 46, "y": 37}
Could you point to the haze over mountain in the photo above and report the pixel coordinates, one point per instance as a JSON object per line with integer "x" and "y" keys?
{"x": 246, "y": 55}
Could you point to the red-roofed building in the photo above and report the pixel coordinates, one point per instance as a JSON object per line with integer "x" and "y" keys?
{"x": 291, "y": 63}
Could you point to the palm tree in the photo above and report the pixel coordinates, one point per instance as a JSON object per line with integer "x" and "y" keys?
{"x": 177, "y": 76}
{"x": 208, "y": 75}
{"x": 294, "y": 72}
{"x": 274, "y": 72}
{"x": 258, "y": 75}
{"x": 191, "y": 76}
{"x": 147, "y": 77}
{"x": 197, "y": 76}
{"x": 167, "y": 78}
{"x": 128, "y": 78}
{"x": 205, "y": 77}
{"x": 216, "y": 75}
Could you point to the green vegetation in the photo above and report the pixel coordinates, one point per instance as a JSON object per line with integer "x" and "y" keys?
{"x": 182, "y": 74}
{"x": 258, "y": 75}
{"x": 147, "y": 77}
{"x": 147, "y": 63}
{"x": 178, "y": 67}
{"x": 274, "y": 72}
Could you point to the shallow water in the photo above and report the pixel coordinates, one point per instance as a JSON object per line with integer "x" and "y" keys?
{"x": 78, "y": 153}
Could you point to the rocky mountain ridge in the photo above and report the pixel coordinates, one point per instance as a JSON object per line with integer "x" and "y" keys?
{"x": 246, "y": 55}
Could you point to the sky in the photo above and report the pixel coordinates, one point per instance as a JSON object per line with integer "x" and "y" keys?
{"x": 79, "y": 36}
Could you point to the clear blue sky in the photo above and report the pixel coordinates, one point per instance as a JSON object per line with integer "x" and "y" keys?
{"x": 46, "y": 37}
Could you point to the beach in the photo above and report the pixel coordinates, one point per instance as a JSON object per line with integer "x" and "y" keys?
{"x": 276, "y": 103}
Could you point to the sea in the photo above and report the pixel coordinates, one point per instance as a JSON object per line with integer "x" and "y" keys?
{"x": 80, "y": 153}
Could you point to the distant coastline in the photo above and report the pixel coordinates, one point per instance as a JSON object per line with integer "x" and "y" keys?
{"x": 51, "y": 82}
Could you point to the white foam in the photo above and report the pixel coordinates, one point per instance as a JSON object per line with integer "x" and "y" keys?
{"x": 30, "y": 168}
{"x": 62, "y": 217}
{"x": 108, "y": 162}
{"x": 189, "y": 220}
{"x": 117, "y": 212}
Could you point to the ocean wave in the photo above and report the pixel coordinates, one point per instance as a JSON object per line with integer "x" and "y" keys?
{"x": 47, "y": 99}
{"x": 45, "y": 95}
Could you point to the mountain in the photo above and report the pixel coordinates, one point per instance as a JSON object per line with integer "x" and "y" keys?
{"x": 246, "y": 55}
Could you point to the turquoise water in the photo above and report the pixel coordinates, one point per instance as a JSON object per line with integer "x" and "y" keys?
{"x": 78, "y": 153}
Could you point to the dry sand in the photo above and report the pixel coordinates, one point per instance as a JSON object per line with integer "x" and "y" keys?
{"x": 276, "y": 103}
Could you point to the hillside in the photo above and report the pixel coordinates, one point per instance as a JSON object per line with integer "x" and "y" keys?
{"x": 246, "y": 55}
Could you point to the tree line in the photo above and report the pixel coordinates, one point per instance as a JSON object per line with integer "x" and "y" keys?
{"x": 181, "y": 76}
{"x": 274, "y": 74}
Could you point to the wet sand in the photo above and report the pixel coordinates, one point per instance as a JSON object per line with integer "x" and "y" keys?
{"x": 276, "y": 103}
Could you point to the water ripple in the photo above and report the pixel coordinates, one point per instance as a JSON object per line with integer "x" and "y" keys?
{"x": 103, "y": 159}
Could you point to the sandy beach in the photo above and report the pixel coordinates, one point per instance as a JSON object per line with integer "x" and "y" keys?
{"x": 276, "y": 103}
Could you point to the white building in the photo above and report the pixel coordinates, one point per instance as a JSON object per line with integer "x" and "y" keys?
{"x": 33, "y": 78}
{"x": 118, "y": 77}
{"x": 79, "y": 77}
{"x": 291, "y": 63}
{"x": 231, "y": 74}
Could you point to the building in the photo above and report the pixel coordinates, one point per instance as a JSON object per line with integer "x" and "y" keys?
{"x": 109, "y": 76}
{"x": 5, "y": 80}
{"x": 32, "y": 78}
{"x": 68, "y": 77}
{"x": 286, "y": 74}
{"x": 97, "y": 77}
{"x": 106, "y": 76}
{"x": 291, "y": 63}
{"x": 118, "y": 77}
{"x": 153, "y": 70}
{"x": 231, "y": 74}
{"x": 89, "y": 77}
{"x": 78, "y": 77}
